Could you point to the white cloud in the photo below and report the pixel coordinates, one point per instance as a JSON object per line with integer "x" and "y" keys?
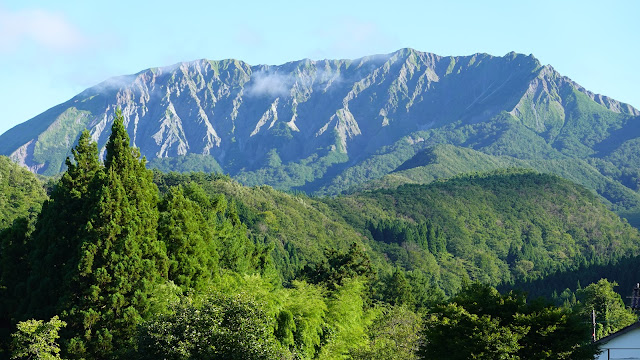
{"x": 46, "y": 29}
{"x": 265, "y": 83}
{"x": 115, "y": 83}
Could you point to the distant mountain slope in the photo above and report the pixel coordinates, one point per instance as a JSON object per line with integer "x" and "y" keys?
{"x": 21, "y": 194}
{"x": 325, "y": 126}
{"x": 446, "y": 161}
{"x": 495, "y": 227}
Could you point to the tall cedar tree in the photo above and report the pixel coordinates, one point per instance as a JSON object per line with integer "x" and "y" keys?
{"x": 120, "y": 258}
{"x": 60, "y": 230}
{"x": 38, "y": 266}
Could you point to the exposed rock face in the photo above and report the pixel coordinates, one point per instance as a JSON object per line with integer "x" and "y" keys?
{"x": 321, "y": 115}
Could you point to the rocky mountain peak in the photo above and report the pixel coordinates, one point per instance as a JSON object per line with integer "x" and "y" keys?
{"x": 320, "y": 117}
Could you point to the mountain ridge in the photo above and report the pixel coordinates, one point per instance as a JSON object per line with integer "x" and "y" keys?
{"x": 305, "y": 124}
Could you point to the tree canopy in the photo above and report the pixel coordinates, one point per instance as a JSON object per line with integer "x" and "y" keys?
{"x": 481, "y": 323}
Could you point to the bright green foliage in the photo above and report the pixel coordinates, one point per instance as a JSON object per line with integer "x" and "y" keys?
{"x": 307, "y": 304}
{"x": 298, "y": 227}
{"x": 611, "y": 314}
{"x": 193, "y": 257}
{"x": 346, "y": 320}
{"x": 285, "y": 327}
{"x": 299, "y": 311}
{"x": 480, "y": 323}
{"x": 222, "y": 327}
{"x": 235, "y": 250}
{"x": 21, "y": 194}
{"x": 393, "y": 335}
{"x": 295, "y": 229}
{"x": 265, "y": 290}
{"x": 304, "y": 332}
{"x": 36, "y": 339}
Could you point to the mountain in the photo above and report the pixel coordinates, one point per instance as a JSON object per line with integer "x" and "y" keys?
{"x": 327, "y": 126}
{"x": 500, "y": 227}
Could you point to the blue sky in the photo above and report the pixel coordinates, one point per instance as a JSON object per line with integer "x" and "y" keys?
{"x": 52, "y": 50}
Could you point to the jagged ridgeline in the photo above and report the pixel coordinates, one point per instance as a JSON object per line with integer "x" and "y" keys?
{"x": 326, "y": 126}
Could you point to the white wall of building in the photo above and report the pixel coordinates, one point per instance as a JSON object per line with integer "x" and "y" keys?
{"x": 625, "y": 346}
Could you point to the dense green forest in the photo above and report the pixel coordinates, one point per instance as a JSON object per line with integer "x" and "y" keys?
{"x": 21, "y": 194}
{"x": 500, "y": 227}
{"x": 118, "y": 261}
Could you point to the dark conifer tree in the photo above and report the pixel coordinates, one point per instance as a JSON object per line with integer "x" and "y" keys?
{"x": 14, "y": 270}
{"x": 120, "y": 259}
{"x": 60, "y": 230}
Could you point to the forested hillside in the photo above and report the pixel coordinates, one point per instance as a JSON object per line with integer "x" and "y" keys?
{"x": 495, "y": 227}
{"x": 123, "y": 262}
{"x": 297, "y": 228}
{"x": 21, "y": 193}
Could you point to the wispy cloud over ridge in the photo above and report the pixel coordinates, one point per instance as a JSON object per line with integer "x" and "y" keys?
{"x": 264, "y": 83}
